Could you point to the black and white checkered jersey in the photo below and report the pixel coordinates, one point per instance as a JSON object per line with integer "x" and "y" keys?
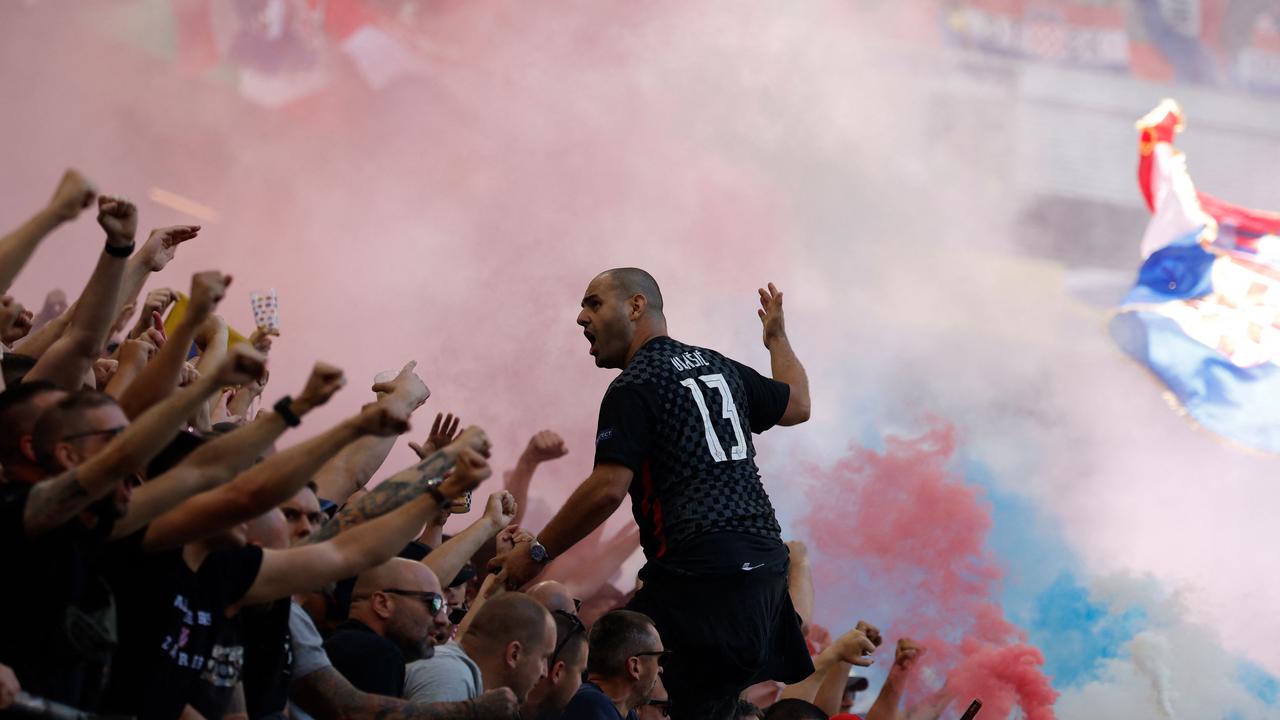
{"x": 681, "y": 418}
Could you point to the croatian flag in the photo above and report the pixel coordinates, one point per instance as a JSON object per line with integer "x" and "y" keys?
{"x": 1204, "y": 315}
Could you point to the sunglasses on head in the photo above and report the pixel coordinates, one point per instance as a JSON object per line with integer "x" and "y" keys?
{"x": 575, "y": 627}
{"x": 433, "y": 601}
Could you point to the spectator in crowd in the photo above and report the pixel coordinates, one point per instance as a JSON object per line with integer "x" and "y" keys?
{"x": 548, "y": 699}
{"x": 20, "y": 407}
{"x": 394, "y": 609}
{"x": 658, "y": 706}
{"x": 747, "y": 711}
{"x": 507, "y": 644}
{"x": 795, "y": 709}
{"x": 303, "y": 514}
{"x": 554, "y": 596}
{"x": 624, "y": 662}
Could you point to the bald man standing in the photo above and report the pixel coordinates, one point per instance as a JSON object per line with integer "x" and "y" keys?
{"x": 394, "y": 608}
{"x": 675, "y": 433}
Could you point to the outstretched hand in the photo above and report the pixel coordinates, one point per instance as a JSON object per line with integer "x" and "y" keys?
{"x": 771, "y": 317}
{"x": 162, "y": 244}
{"x": 854, "y": 647}
{"x": 444, "y": 430}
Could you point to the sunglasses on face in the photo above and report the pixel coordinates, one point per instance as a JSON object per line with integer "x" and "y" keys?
{"x": 663, "y": 706}
{"x": 109, "y": 432}
{"x": 661, "y": 655}
{"x": 434, "y": 602}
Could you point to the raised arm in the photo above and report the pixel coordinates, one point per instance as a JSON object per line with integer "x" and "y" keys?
{"x": 299, "y": 569}
{"x": 446, "y": 560}
{"x": 852, "y": 648}
{"x": 269, "y": 483}
{"x": 352, "y": 468}
{"x": 70, "y": 357}
{"x": 586, "y": 509}
{"x": 890, "y": 698}
{"x": 74, "y": 194}
{"x": 152, "y": 257}
{"x": 544, "y": 446}
{"x": 161, "y": 375}
{"x": 54, "y": 501}
{"x": 218, "y": 461}
{"x": 786, "y": 366}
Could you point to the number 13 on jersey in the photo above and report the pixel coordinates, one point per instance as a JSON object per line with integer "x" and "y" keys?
{"x": 728, "y": 410}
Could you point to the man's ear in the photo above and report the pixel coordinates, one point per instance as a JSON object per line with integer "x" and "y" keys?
{"x": 638, "y": 305}
{"x": 26, "y": 445}
{"x": 556, "y": 671}
{"x": 381, "y": 605}
{"x": 66, "y": 455}
{"x": 633, "y": 667}
{"x": 513, "y": 653}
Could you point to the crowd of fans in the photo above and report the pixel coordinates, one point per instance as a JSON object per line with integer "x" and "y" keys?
{"x": 167, "y": 561}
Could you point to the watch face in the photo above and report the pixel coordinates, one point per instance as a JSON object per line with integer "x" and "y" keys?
{"x": 538, "y": 553}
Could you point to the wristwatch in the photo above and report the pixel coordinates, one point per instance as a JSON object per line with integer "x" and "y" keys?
{"x": 433, "y": 489}
{"x": 539, "y": 553}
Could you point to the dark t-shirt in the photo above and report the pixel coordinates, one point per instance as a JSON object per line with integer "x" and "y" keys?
{"x": 681, "y": 418}
{"x": 370, "y": 662}
{"x": 590, "y": 703}
{"x": 268, "y": 658}
{"x": 178, "y": 646}
{"x": 57, "y": 619}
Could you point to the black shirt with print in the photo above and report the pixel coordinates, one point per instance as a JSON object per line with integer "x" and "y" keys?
{"x": 57, "y": 619}
{"x": 681, "y": 418}
{"x": 178, "y": 646}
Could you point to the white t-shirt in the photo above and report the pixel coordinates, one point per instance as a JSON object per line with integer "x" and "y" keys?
{"x": 449, "y": 676}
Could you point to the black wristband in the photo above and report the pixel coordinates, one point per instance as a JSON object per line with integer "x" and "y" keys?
{"x": 120, "y": 251}
{"x": 286, "y": 413}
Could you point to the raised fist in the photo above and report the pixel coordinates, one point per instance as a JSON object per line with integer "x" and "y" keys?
{"x": 497, "y": 704}
{"x": 242, "y": 365}
{"x": 325, "y": 381}
{"x": 501, "y": 508}
{"x": 473, "y": 438}
{"x": 119, "y": 218}
{"x": 470, "y": 469}
{"x": 74, "y": 194}
{"x": 207, "y": 290}
{"x": 544, "y": 446}
{"x": 383, "y": 419}
{"x": 854, "y": 647}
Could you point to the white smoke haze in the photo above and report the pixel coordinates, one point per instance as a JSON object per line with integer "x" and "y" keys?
{"x": 456, "y": 219}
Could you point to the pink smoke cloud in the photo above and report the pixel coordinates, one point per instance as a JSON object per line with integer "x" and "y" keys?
{"x": 901, "y": 524}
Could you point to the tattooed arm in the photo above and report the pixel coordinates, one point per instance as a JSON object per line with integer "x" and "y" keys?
{"x": 403, "y": 486}
{"x": 300, "y": 569}
{"x": 269, "y": 483}
{"x": 54, "y": 501}
{"x": 326, "y": 695}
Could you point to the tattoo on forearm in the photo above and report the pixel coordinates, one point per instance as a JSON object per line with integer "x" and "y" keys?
{"x": 339, "y": 698}
{"x": 391, "y": 494}
{"x": 54, "y": 502}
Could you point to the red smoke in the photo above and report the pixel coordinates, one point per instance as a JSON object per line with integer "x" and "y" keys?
{"x": 899, "y": 538}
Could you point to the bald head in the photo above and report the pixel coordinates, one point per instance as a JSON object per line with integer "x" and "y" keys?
{"x": 553, "y": 596}
{"x": 506, "y": 618}
{"x": 398, "y": 574}
{"x": 629, "y": 282}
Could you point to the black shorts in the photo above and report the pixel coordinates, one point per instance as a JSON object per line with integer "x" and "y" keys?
{"x": 726, "y": 632}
